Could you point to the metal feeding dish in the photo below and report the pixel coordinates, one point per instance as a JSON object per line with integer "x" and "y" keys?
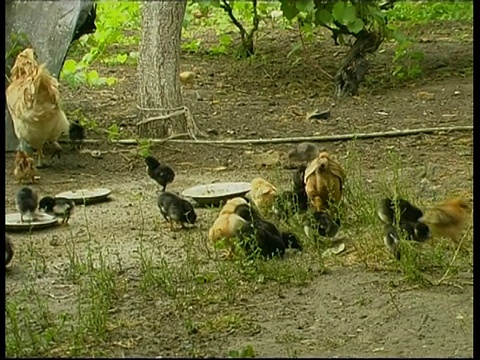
{"x": 86, "y": 196}
{"x": 216, "y": 193}
{"x": 41, "y": 221}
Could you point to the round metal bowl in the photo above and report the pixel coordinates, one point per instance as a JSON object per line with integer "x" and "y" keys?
{"x": 86, "y": 196}
{"x": 41, "y": 221}
{"x": 216, "y": 193}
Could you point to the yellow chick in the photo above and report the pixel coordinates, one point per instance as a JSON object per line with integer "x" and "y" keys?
{"x": 226, "y": 227}
{"x": 263, "y": 194}
{"x": 231, "y": 205}
{"x": 187, "y": 78}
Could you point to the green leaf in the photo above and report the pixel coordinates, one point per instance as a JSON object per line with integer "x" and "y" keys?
{"x": 247, "y": 352}
{"x": 233, "y": 354}
{"x": 376, "y": 13}
{"x": 306, "y": 6}
{"x": 70, "y": 66}
{"x": 289, "y": 9}
{"x": 225, "y": 39}
{"x": 110, "y": 81}
{"x": 323, "y": 17}
{"x": 93, "y": 77}
{"x": 349, "y": 14}
{"x": 356, "y": 26}
{"x": 122, "y": 58}
{"x": 338, "y": 11}
{"x": 203, "y": 4}
{"x": 397, "y": 36}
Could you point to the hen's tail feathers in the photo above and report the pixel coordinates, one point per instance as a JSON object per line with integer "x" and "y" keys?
{"x": 46, "y": 86}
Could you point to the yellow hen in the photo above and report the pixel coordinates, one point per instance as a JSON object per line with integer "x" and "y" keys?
{"x": 33, "y": 102}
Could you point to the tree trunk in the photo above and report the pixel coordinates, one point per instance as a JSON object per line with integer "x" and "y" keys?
{"x": 159, "y": 66}
{"x": 354, "y": 66}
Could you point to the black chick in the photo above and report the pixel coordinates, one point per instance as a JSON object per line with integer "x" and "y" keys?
{"x": 259, "y": 237}
{"x": 291, "y": 241}
{"x": 255, "y": 219}
{"x": 288, "y": 203}
{"x": 76, "y": 133}
{"x": 296, "y": 201}
{"x": 322, "y": 223}
{"x": 162, "y": 174}
{"x": 248, "y": 213}
{"x": 412, "y": 231}
{"x": 388, "y": 208}
{"x": 174, "y": 208}
{"x": 298, "y": 179}
{"x": 9, "y": 252}
{"x": 392, "y": 240}
{"x": 27, "y": 201}
{"x": 60, "y": 207}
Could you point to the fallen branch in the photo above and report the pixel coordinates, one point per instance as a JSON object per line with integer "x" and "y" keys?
{"x": 325, "y": 138}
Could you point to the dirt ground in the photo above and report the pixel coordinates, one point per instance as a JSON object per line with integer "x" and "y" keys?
{"x": 347, "y": 311}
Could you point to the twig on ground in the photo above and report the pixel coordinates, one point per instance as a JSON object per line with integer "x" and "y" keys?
{"x": 325, "y": 138}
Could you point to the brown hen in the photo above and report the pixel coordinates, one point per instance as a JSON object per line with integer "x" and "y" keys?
{"x": 448, "y": 218}
{"x": 324, "y": 178}
{"x": 33, "y": 102}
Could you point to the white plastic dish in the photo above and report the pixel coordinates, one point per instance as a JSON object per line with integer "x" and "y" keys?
{"x": 86, "y": 196}
{"x": 216, "y": 193}
{"x": 42, "y": 221}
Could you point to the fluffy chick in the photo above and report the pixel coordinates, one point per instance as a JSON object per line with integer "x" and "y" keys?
{"x": 60, "y": 207}
{"x": 412, "y": 231}
{"x": 298, "y": 179}
{"x": 24, "y": 167}
{"x": 162, "y": 174}
{"x": 248, "y": 212}
{"x": 174, "y": 208}
{"x": 231, "y": 204}
{"x": 304, "y": 152}
{"x": 263, "y": 194}
{"x": 260, "y": 237}
{"x": 448, "y": 218}
{"x": 391, "y": 239}
{"x": 226, "y": 227}
{"x": 388, "y": 208}
{"x": 76, "y": 133}
{"x": 9, "y": 252}
{"x": 187, "y": 78}
{"x": 27, "y": 201}
{"x": 288, "y": 203}
{"x": 252, "y": 216}
{"x": 321, "y": 223}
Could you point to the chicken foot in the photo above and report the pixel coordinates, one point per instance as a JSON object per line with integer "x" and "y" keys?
{"x": 229, "y": 254}
{"x": 40, "y": 159}
{"x": 57, "y": 149}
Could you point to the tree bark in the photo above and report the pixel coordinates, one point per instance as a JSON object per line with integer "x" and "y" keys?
{"x": 354, "y": 66}
{"x": 159, "y": 66}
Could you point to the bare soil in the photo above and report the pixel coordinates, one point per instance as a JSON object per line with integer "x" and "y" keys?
{"x": 348, "y": 311}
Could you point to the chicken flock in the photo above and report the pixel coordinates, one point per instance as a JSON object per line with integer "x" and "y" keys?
{"x": 248, "y": 222}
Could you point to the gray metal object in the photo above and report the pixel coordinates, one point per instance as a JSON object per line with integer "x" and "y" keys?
{"x": 49, "y": 27}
